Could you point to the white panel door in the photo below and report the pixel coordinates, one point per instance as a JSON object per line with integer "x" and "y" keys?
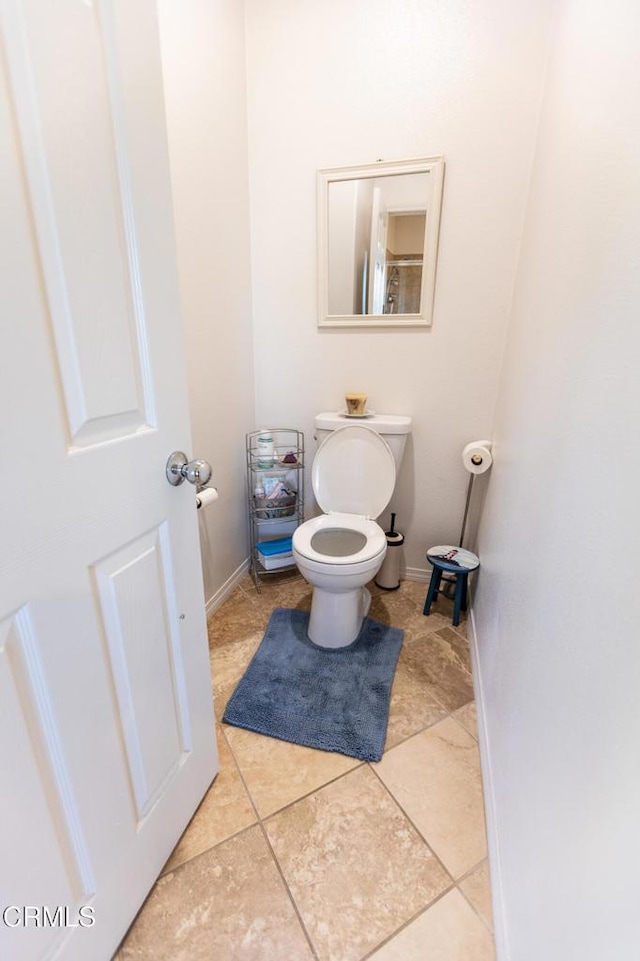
{"x": 106, "y": 716}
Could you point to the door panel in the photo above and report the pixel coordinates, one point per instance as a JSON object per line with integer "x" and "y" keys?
{"x": 145, "y": 660}
{"x": 45, "y": 847}
{"x": 106, "y": 712}
{"x": 88, "y": 250}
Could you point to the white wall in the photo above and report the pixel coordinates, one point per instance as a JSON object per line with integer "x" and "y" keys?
{"x": 333, "y": 83}
{"x": 204, "y": 65}
{"x": 558, "y": 603}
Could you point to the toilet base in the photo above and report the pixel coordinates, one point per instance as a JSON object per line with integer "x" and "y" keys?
{"x": 336, "y": 619}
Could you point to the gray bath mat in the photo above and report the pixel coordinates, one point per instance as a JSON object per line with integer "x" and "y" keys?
{"x": 332, "y": 699}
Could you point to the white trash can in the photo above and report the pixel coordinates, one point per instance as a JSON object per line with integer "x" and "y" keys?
{"x": 388, "y": 577}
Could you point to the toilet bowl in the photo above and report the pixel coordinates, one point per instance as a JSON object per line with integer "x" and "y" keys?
{"x": 353, "y": 478}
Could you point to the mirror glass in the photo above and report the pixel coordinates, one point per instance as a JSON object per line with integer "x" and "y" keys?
{"x": 377, "y": 243}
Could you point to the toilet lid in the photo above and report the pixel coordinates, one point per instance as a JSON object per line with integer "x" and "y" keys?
{"x": 353, "y": 472}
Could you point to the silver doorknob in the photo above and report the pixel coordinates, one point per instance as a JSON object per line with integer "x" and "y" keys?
{"x": 179, "y": 469}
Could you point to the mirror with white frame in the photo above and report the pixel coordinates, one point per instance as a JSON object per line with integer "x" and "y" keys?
{"x": 378, "y": 242}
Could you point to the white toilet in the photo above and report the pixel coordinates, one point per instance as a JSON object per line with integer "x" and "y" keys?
{"x": 353, "y": 477}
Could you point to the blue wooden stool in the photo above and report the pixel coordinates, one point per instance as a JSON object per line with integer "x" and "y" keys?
{"x": 453, "y": 560}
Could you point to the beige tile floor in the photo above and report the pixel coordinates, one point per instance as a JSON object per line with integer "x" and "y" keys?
{"x": 296, "y": 854}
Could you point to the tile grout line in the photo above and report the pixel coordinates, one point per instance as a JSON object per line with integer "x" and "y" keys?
{"x": 235, "y": 834}
{"x": 456, "y": 881}
{"x": 414, "y": 826}
{"x": 460, "y": 724}
{"x": 467, "y": 874}
{"x": 443, "y": 894}
{"x": 240, "y": 775}
{"x": 332, "y": 780}
{"x": 303, "y": 797}
{"x": 194, "y": 857}
{"x": 465, "y": 877}
{"x": 272, "y": 852}
{"x": 428, "y": 727}
{"x": 288, "y": 890}
{"x": 360, "y": 763}
{"x": 409, "y": 921}
{"x": 200, "y": 854}
{"x": 454, "y": 886}
{"x": 451, "y": 887}
{"x": 475, "y": 909}
{"x": 257, "y": 823}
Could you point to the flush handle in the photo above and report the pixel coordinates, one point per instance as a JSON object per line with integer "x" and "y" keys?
{"x": 179, "y": 469}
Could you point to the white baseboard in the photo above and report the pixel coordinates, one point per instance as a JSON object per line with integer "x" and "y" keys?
{"x": 227, "y": 588}
{"x": 417, "y": 574}
{"x": 493, "y": 841}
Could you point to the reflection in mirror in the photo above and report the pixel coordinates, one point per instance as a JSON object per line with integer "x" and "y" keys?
{"x": 405, "y": 244}
{"x": 378, "y": 231}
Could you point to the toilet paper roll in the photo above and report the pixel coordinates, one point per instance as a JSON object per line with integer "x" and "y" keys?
{"x": 477, "y": 457}
{"x": 206, "y": 496}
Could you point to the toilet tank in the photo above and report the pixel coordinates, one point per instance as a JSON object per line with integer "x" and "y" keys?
{"x": 393, "y": 427}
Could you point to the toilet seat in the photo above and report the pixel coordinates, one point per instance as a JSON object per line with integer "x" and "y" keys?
{"x": 375, "y": 544}
{"x": 353, "y": 472}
